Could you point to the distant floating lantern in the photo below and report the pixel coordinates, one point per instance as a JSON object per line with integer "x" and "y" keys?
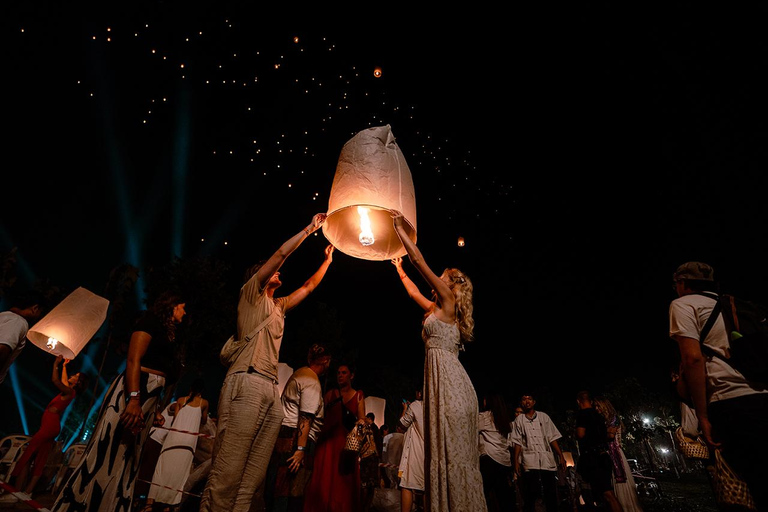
{"x": 461, "y": 241}
{"x": 372, "y": 180}
{"x": 377, "y": 72}
{"x": 69, "y": 326}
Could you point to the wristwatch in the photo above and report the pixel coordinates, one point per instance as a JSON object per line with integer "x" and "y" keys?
{"x": 301, "y": 448}
{"x": 133, "y": 394}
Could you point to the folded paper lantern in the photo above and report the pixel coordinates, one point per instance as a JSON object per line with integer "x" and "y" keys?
{"x": 377, "y": 406}
{"x": 69, "y": 326}
{"x": 372, "y": 180}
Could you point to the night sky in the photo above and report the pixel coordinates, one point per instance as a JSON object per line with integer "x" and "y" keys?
{"x": 582, "y": 153}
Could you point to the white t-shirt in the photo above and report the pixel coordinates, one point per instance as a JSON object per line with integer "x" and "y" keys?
{"x": 303, "y": 393}
{"x": 492, "y": 443}
{"x": 534, "y": 435}
{"x": 13, "y": 332}
{"x": 687, "y": 316}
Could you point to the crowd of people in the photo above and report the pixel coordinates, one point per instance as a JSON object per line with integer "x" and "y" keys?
{"x": 447, "y": 452}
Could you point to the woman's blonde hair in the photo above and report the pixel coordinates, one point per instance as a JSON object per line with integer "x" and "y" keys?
{"x": 461, "y": 287}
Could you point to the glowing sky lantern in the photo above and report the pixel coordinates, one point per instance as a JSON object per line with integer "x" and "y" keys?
{"x": 372, "y": 180}
{"x": 461, "y": 241}
{"x": 377, "y": 72}
{"x": 69, "y": 326}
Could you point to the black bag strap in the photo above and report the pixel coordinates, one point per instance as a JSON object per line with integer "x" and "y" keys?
{"x": 710, "y": 323}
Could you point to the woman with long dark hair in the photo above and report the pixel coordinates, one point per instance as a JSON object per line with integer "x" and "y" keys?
{"x": 104, "y": 479}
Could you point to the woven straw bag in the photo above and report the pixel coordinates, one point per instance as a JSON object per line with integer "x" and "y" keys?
{"x": 730, "y": 490}
{"x": 355, "y": 439}
{"x": 691, "y": 448}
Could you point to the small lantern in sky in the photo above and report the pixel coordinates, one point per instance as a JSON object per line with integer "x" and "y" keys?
{"x": 461, "y": 241}
{"x": 69, "y": 326}
{"x": 372, "y": 180}
{"x": 377, "y": 72}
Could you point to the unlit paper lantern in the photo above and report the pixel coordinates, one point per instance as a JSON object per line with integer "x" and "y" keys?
{"x": 284, "y": 373}
{"x": 69, "y": 326}
{"x": 372, "y": 180}
{"x": 376, "y": 405}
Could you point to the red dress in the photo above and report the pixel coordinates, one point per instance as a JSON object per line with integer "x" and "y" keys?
{"x": 43, "y": 440}
{"x": 335, "y": 483}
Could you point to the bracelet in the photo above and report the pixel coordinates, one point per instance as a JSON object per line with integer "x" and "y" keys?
{"x": 306, "y": 231}
{"x": 403, "y": 276}
{"x": 301, "y": 448}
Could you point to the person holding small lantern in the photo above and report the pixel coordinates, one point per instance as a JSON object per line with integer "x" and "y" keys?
{"x": 50, "y": 426}
{"x": 105, "y": 478}
{"x": 450, "y": 401}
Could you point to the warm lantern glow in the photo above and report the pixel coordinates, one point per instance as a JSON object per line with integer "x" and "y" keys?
{"x": 371, "y": 173}
{"x": 366, "y": 235}
{"x": 377, "y": 72}
{"x": 68, "y": 327}
{"x": 568, "y": 459}
{"x": 461, "y": 241}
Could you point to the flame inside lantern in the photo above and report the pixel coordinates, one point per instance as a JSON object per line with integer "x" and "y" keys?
{"x": 51, "y": 344}
{"x": 366, "y": 235}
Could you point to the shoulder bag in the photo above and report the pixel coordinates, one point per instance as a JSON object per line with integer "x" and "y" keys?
{"x": 690, "y": 447}
{"x": 730, "y": 490}
{"x": 232, "y": 347}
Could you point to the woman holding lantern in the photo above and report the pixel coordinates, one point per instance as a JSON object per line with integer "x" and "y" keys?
{"x": 50, "y": 425}
{"x": 450, "y": 400}
{"x": 104, "y": 479}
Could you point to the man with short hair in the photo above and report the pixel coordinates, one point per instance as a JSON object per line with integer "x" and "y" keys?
{"x": 534, "y": 437}
{"x": 249, "y": 409}
{"x": 731, "y": 410}
{"x": 290, "y": 467}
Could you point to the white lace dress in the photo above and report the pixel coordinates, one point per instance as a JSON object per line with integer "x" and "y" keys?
{"x": 453, "y": 480}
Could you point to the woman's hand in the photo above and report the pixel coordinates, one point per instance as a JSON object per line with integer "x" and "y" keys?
{"x": 317, "y": 222}
{"x": 159, "y": 420}
{"x": 58, "y": 361}
{"x": 329, "y": 253}
{"x": 397, "y": 219}
{"x": 398, "y": 263}
{"x": 132, "y": 417}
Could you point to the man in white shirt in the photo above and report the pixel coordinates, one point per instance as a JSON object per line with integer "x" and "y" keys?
{"x": 290, "y": 467}
{"x": 14, "y": 325}
{"x": 534, "y": 437}
{"x": 730, "y": 409}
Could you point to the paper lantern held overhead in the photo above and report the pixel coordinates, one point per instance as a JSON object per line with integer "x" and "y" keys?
{"x": 372, "y": 180}
{"x": 69, "y": 326}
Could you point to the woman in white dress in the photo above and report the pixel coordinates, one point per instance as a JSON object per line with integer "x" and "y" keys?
{"x": 452, "y": 461}
{"x": 189, "y": 413}
{"x": 623, "y": 482}
{"x": 411, "y": 470}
